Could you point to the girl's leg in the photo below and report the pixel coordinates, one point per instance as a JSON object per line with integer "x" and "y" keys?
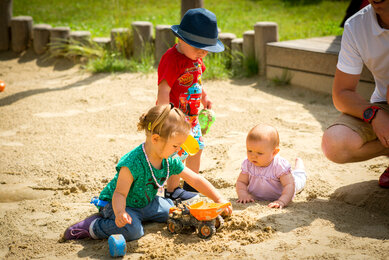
{"x": 104, "y": 227}
{"x": 299, "y": 174}
{"x": 157, "y": 210}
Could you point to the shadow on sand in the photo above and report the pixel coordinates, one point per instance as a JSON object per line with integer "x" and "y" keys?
{"x": 310, "y": 99}
{"x": 347, "y": 210}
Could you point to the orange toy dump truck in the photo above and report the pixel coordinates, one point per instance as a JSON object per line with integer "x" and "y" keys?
{"x": 204, "y": 216}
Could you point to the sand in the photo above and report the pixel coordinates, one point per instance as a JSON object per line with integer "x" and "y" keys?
{"x": 62, "y": 131}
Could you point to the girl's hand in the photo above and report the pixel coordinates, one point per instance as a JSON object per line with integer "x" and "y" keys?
{"x": 245, "y": 198}
{"x": 276, "y": 204}
{"x": 122, "y": 219}
{"x": 227, "y": 211}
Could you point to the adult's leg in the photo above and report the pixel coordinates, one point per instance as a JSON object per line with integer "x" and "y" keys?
{"x": 341, "y": 144}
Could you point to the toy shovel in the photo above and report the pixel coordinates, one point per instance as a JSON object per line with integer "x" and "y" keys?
{"x": 191, "y": 146}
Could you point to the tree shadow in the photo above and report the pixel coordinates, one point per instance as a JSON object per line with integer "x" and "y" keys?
{"x": 27, "y": 93}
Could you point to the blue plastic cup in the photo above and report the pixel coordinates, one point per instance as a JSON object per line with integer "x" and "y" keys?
{"x": 117, "y": 245}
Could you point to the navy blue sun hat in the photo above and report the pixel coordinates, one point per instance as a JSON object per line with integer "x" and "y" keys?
{"x": 198, "y": 28}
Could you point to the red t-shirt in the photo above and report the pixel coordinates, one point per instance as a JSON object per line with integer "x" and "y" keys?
{"x": 184, "y": 78}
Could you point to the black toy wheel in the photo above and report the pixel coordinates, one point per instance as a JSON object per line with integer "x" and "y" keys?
{"x": 174, "y": 226}
{"x": 219, "y": 222}
{"x": 206, "y": 229}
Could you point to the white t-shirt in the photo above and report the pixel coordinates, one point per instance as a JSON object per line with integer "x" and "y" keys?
{"x": 364, "y": 41}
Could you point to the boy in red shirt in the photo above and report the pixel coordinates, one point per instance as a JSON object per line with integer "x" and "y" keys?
{"x": 179, "y": 81}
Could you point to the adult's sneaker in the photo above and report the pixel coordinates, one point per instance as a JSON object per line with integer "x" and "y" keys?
{"x": 181, "y": 194}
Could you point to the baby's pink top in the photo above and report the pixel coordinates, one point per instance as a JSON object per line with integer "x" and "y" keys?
{"x": 264, "y": 182}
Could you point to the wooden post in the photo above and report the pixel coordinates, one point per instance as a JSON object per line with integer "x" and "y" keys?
{"x": 5, "y": 24}
{"x": 143, "y": 38}
{"x": 226, "y": 39}
{"x": 248, "y": 44}
{"x": 59, "y": 38}
{"x": 190, "y": 4}
{"x": 120, "y": 41}
{"x": 80, "y": 37}
{"x": 41, "y": 37}
{"x": 164, "y": 39}
{"x": 104, "y": 42}
{"x": 21, "y": 28}
{"x": 265, "y": 32}
{"x": 236, "y": 53}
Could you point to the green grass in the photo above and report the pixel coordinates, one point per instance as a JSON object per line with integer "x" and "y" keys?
{"x": 296, "y": 18}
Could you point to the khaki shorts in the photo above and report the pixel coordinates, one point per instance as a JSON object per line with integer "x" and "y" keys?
{"x": 362, "y": 128}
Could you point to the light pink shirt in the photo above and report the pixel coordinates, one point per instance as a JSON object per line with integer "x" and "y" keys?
{"x": 264, "y": 182}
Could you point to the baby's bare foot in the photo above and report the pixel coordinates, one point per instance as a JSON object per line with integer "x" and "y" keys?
{"x": 299, "y": 164}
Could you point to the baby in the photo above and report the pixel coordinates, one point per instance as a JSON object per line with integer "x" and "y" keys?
{"x": 266, "y": 175}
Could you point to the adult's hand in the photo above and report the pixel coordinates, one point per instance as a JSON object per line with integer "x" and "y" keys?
{"x": 380, "y": 126}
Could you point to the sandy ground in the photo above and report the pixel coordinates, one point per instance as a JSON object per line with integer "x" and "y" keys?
{"x": 63, "y": 130}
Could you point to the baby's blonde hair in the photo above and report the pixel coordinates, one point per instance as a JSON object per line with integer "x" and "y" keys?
{"x": 264, "y": 132}
{"x": 164, "y": 120}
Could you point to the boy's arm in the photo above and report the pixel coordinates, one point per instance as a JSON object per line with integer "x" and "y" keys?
{"x": 207, "y": 103}
{"x": 123, "y": 186}
{"x": 163, "y": 93}
{"x": 203, "y": 186}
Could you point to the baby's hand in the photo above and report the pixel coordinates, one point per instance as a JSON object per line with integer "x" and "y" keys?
{"x": 247, "y": 198}
{"x": 122, "y": 219}
{"x": 276, "y": 204}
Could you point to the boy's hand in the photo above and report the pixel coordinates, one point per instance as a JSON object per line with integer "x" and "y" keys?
{"x": 207, "y": 103}
{"x": 276, "y": 204}
{"x": 122, "y": 219}
{"x": 245, "y": 198}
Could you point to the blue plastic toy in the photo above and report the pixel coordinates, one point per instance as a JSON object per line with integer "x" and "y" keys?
{"x": 117, "y": 245}
{"x": 98, "y": 202}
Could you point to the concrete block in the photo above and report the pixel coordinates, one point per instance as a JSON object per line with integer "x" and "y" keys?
{"x": 265, "y": 32}
{"x": 317, "y": 55}
{"x": 316, "y": 82}
{"x": 41, "y": 37}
